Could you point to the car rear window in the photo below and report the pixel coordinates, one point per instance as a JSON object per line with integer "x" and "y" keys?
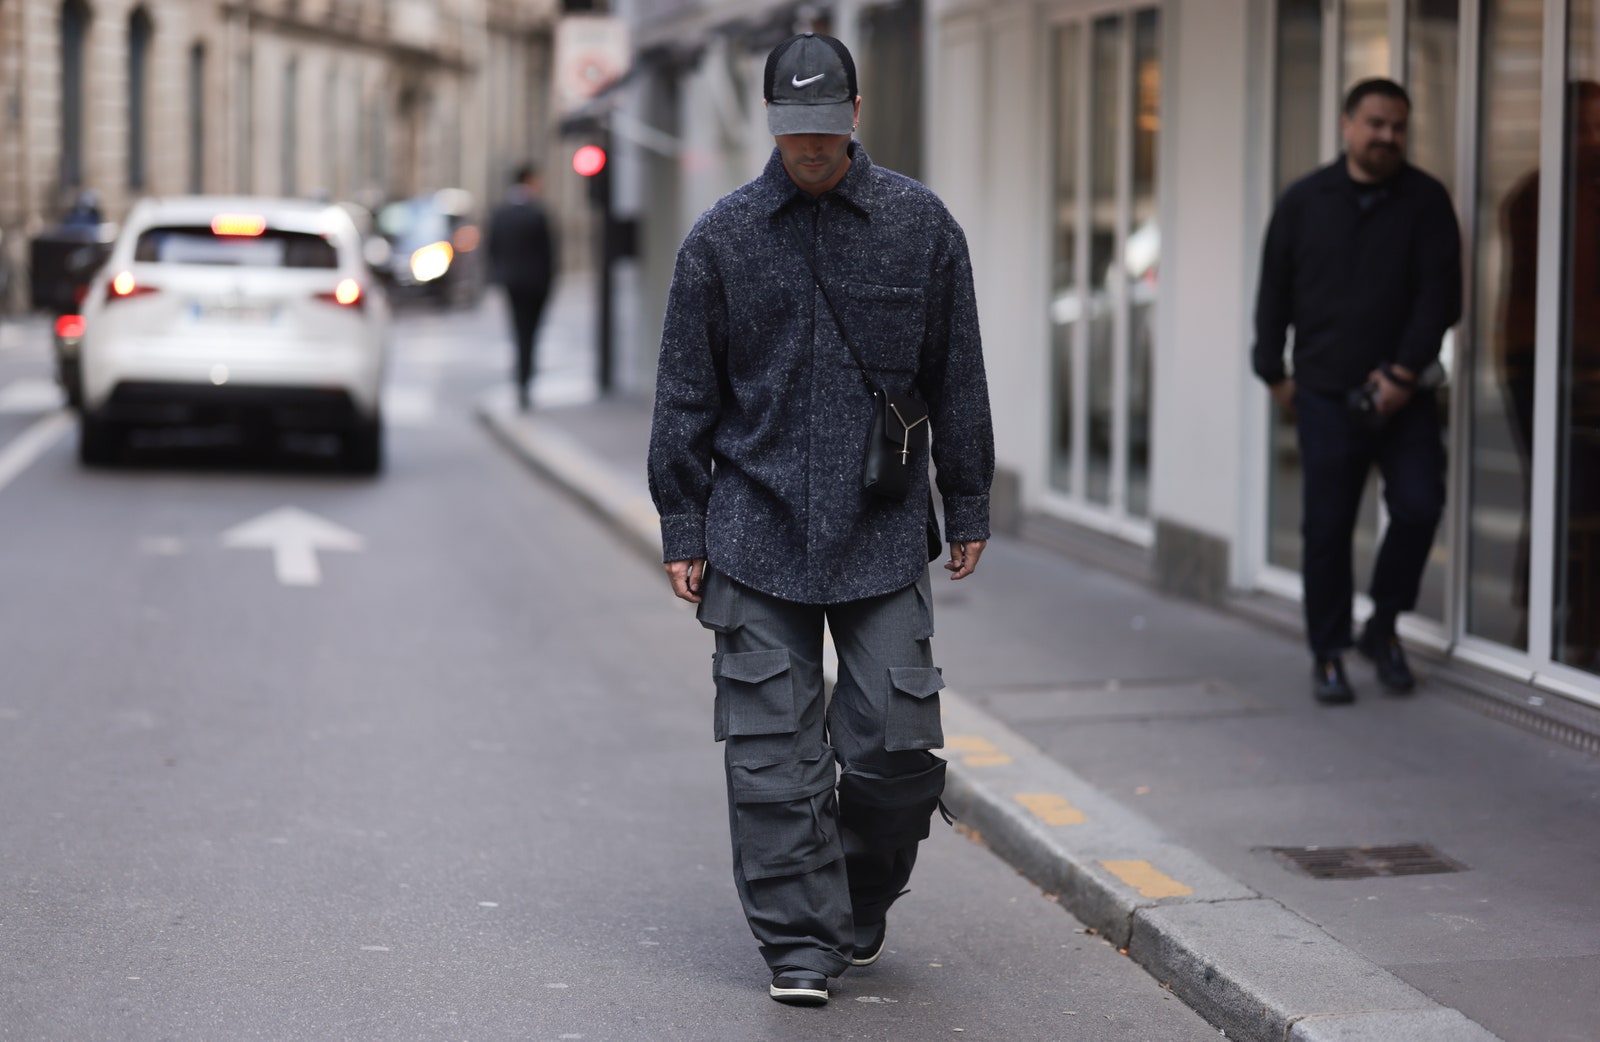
{"x": 200, "y": 245}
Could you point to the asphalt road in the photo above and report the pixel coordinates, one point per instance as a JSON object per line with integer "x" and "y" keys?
{"x": 454, "y": 782}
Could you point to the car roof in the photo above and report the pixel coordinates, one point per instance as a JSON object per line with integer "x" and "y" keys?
{"x": 298, "y": 215}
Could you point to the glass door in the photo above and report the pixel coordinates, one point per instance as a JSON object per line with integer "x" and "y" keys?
{"x": 1321, "y": 51}
{"x": 1106, "y": 251}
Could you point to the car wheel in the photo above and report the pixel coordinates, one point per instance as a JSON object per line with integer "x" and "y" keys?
{"x": 98, "y": 440}
{"x": 363, "y": 447}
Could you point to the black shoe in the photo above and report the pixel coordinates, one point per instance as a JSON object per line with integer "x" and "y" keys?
{"x": 799, "y": 988}
{"x": 1389, "y": 657}
{"x": 1328, "y": 684}
{"x": 869, "y": 943}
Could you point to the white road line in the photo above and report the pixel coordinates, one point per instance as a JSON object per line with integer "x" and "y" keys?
{"x": 30, "y": 396}
{"x": 32, "y": 443}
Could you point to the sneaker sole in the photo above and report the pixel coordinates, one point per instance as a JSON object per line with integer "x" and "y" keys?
{"x": 798, "y": 996}
{"x": 870, "y": 959}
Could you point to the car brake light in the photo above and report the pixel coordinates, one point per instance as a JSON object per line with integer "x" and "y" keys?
{"x": 70, "y": 327}
{"x": 123, "y": 286}
{"x": 244, "y": 224}
{"x": 346, "y": 294}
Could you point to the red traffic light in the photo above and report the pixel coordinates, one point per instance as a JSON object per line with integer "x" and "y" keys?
{"x": 589, "y": 160}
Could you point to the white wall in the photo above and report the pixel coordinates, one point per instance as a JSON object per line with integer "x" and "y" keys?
{"x": 1201, "y": 371}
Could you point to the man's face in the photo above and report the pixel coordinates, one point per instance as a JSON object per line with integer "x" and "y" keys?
{"x": 816, "y": 162}
{"x": 1375, "y": 136}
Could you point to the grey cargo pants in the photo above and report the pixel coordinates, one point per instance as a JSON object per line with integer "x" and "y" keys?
{"x": 817, "y": 851}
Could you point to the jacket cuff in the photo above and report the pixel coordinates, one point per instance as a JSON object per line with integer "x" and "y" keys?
{"x": 966, "y": 518}
{"x": 683, "y": 538}
{"x": 1418, "y": 360}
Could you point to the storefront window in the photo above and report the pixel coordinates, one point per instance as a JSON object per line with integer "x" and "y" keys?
{"x": 1298, "y": 151}
{"x": 1107, "y": 250}
{"x": 1066, "y": 303}
{"x": 1366, "y": 40}
{"x": 1106, "y": 110}
{"x": 1505, "y": 270}
{"x": 1577, "y": 580}
{"x": 1433, "y": 35}
{"x": 1142, "y": 252}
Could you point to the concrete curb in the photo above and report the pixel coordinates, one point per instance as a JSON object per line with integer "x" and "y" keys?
{"x": 1246, "y": 963}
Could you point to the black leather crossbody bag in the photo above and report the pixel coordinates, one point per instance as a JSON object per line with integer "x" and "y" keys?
{"x": 897, "y": 441}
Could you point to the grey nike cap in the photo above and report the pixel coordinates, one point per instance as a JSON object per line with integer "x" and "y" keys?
{"x": 810, "y": 86}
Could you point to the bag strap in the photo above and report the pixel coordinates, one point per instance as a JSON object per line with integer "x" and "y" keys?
{"x": 794, "y": 230}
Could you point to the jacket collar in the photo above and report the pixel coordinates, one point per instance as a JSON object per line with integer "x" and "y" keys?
{"x": 858, "y": 189}
{"x": 1335, "y": 177}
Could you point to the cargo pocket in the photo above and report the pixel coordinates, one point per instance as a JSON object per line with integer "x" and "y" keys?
{"x": 785, "y": 814}
{"x": 719, "y": 608}
{"x": 755, "y": 704}
{"x": 913, "y": 713}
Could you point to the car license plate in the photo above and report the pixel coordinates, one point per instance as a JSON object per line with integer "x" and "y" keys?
{"x": 263, "y": 314}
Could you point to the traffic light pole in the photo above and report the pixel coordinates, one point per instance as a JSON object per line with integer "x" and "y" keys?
{"x": 603, "y": 325}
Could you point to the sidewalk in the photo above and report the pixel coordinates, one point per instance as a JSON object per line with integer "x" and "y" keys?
{"x": 1202, "y": 721}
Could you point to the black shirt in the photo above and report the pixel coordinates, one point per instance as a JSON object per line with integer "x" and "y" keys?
{"x": 1366, "y": 274}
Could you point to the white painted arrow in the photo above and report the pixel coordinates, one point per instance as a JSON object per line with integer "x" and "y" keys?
{"x": 294, "y": 537}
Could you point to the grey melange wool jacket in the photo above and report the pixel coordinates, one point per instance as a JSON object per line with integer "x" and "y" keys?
{"x": 761, "y": 414}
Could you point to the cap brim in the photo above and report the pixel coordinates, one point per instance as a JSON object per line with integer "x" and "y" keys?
{"x": 836, "y": 118}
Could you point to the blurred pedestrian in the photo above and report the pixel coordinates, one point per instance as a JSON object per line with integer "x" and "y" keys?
{"x": 1363, "y": 259}
{"x": 801, "y": 304}
{"x": 523, "y": 259}
{"x": 85, "y": 210}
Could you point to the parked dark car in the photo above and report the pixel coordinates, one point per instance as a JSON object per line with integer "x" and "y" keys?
{"x": 433, "y": 248}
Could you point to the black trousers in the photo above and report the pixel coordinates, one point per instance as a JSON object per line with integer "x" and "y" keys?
{"x": 527, "y": 306}
{"x": 1337, "y": 452}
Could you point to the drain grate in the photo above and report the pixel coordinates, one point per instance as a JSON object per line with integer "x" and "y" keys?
{"x": 1403, "y": 859}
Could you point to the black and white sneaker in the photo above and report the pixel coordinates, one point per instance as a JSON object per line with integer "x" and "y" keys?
{"x": 869, "y": 943}
{"x": 799, "y": 988}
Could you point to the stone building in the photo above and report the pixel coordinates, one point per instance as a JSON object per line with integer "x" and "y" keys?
{"x": 364, "y": 100}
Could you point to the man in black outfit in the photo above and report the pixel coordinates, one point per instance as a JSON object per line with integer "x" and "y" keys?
{"x": 522, "y": 258}
{"x": 1363, "y": 259}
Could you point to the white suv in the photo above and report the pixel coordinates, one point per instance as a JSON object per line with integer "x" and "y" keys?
{"x": 236, "y": 310}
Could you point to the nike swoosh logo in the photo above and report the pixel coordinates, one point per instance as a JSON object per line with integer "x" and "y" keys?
{"x": 798, "y": 82}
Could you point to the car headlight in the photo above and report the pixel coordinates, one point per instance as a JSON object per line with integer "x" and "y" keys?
{"x": 431, "y": 261}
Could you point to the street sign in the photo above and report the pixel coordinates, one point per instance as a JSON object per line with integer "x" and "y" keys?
{"x": 592, "y": 52}
{"x": 294, "y": 536}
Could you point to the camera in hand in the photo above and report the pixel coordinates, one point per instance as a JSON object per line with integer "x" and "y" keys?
{"x": 1363, "y": 404}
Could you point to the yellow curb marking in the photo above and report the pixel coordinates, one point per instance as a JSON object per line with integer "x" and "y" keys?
{"x": 1050, "y": 808}
{"x": 976, "y": 751}
{"x": 1144, "y": 877}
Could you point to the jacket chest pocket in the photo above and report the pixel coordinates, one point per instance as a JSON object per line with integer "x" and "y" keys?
{"x": 886, "y": 325}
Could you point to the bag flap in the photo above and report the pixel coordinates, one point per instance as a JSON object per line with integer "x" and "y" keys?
{"x": 902, "y": 412}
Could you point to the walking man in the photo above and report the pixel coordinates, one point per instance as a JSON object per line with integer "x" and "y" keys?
{"x": 1363, "y": 259}
{"x": 522, "y": 258}
{"x": 756, "y": 460}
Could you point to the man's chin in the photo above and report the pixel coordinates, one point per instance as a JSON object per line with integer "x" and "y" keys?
{"x": 1381, "y": 167}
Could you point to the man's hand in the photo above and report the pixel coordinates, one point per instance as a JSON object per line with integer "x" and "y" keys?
{"x": 1391, "y": 397}
{"x": 688, "y": 578}
{"x": 964, "y": 558}
{"x": 1283, "y": 394}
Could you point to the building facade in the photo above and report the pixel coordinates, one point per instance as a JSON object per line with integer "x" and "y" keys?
{"x": 1114, "y": 163}
{"x": 361, "y": 100}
